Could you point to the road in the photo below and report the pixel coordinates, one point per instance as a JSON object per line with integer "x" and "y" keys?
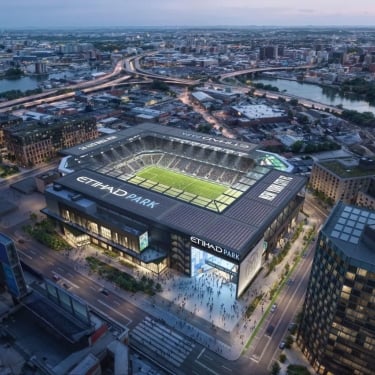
{"x": 51, "y": 95}
{"x": 267, "y": 349}
{"x": 132, "y": 65}
{"x": 186, "y": 99}
{"x": 6, "y": 182}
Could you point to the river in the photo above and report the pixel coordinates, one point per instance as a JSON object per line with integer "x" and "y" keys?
{"x": 22, "y": 84}
{"x": 319, "y": 94}
{"x": 29, "y": 82}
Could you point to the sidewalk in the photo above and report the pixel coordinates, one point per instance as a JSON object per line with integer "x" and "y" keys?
{"x": 294, "y": 356}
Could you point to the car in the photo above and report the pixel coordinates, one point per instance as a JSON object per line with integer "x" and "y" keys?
{"x": 270, "y": 330}
{"x": 66, "y": 286}
{"x": 56, "y": 277}
{"x": 105, "y": 292}
{"x": 274, "y": 307}
{"x": 282, "y": 345}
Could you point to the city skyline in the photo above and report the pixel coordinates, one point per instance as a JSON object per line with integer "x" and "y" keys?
{"x": 112, "y": 13}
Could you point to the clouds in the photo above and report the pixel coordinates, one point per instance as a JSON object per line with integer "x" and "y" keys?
{"x": 81, "y": 13}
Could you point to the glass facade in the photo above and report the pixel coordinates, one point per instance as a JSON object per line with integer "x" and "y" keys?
{"x": 120, "y": 234}
{"x": 337, "y": 331}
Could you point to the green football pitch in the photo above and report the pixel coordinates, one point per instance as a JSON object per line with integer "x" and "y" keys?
{"x": 183, "y": 182}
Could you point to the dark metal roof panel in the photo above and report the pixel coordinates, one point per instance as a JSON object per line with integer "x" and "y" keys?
{"x": 239, "y": 226}
{"x": 159, "y": 131}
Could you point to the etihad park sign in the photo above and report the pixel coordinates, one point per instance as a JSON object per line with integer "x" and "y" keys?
{"x": 121, "y": 193}
{"x": 215, "y": 248}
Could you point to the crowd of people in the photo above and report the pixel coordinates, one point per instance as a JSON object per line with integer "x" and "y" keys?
{"x": 210, "y": 296}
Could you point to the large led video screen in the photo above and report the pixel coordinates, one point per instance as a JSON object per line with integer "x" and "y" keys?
{"x": 143, "y": 241}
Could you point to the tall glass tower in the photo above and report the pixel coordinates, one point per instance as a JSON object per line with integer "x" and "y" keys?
{"x": 11, "y": 274}
{"x": 337, "y": 331}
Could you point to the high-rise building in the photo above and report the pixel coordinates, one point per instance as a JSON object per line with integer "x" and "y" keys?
{"x": 337, "y": 330}
{"x": 40, "y": 68}
{"x": 268, "y": 52}
{"x": 11, "y": 274}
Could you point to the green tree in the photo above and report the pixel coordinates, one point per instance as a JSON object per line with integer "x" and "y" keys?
{"x": 13, "y": 73}
{"x": 204, "y": 128}
{"x": 297, "y": 370}
{"x": 296, "y": 147}
{"x": 33, "y": 216}
{"x": 289, "y": 341}
{"x": 303, "y": 119}
{"x": 275, "y": 369}
{"x": 293, "y": 102}
{"x": 159, "y": 85}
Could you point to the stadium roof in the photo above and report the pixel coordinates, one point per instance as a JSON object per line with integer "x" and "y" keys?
{"x": 237, "y": 228}
{"x": 123, "y": 136}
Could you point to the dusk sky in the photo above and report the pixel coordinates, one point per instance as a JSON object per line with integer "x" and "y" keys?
{"x": 83, "y": 13}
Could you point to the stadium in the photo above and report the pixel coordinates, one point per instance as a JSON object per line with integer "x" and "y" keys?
{"x": 164, "y": 198}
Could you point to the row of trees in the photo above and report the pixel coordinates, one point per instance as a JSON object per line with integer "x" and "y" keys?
{"x": 44, "y": 232}
{"x": 122, "y": 279}
{"x": 359, "y": 118}
{"x": 301, "y": 146}
{"x": 291, "y": 369}
{"x": 263, "y": 86}
{"x": 359, "y": 87}
{"x": 13, "y": 73}
{"x": 6, "y": 170}
{"x": 15, "y": 94}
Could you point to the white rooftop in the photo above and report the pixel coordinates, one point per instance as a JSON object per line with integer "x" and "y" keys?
{"x": 258, "y": 111}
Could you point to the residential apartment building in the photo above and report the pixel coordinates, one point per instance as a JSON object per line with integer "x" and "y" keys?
{"x": 366, "y": 198}
{"x": 342, "y": 179}
{"x": 34, "y": 143}
{"x": 268, "y": 52}
{"x": 6, "y": 120}
{"x": 337, "y": 330}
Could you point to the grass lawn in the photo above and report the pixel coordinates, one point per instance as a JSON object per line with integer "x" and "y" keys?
{"x": 183, "y": 182}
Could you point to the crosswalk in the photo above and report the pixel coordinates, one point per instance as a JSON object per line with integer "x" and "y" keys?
{"x": 163, "y": 341}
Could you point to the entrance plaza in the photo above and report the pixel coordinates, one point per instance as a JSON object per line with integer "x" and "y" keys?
{"x": 208, "y": 296}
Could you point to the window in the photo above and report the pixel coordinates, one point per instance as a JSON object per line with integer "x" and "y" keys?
{"x": 346, "y": 289}
{"x": 362, "y": 272}
{"x": 106, "y": 233}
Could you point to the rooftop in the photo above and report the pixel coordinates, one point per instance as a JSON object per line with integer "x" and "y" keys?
{"x": 259, "y": 111}
{"x": 165, "y": 132}
{"x": 345, "y": 168}
{"x": 350, "y": 228}
{"x": 266, "y": 198}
